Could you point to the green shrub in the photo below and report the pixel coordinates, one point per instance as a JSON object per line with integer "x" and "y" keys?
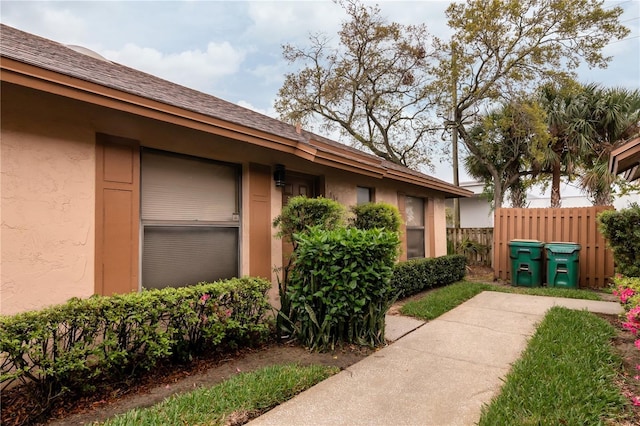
{"x": 302, "y": 212}
{"x": 376, "y": 215}
{"x": 63, "y": 348}
{"x": 622, "y": 231}
{"x": 631, "y": 297}
{"x": 297, "y": 217}
{"x": 339, "y": 289}
{"x": 416, "y": 275}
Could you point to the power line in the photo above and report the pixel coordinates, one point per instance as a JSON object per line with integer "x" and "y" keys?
{"x": 623, "y": 39}
{"x": 629, "y": 20}
{"x": 616, "y": 5}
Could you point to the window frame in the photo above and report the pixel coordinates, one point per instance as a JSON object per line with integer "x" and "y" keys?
{"x": 416, "y": 229}
{"x": 370, "y": 194}
{"x": 235, "y": 223}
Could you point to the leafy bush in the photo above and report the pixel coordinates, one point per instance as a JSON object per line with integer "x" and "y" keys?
{"x": 339, "y": 289}
{"x": 376, "y": 215}
{"x": 302, "y": 212}
{"x": 628, "y": 290}
{"x": 61, "y": 349}
{"x": 416, "y": 275}
{"x": 297, "y": 217}
{"x": 622, "y": 231}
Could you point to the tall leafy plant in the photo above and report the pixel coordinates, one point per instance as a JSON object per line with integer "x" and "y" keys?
{"x": 296, "y": 218}
{"x": 340, "y": 287}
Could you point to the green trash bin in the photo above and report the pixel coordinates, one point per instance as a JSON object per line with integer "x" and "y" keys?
{"x": 563, "y": 264}
{"x": 526, "y": 262}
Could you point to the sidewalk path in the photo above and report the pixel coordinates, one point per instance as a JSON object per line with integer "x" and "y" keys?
{"x": 441, "y": 373}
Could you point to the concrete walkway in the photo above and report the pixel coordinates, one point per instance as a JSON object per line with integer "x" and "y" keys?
{"x": 440, "y": 373}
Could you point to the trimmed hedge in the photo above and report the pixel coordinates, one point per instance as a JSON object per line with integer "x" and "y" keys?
{"x": 416, "y": 275}
{"x": 302, "y": 212}
{"x": 63, "y": 348}
{"x": 376, "y": 215}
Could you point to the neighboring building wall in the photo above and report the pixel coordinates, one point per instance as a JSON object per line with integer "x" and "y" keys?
{"x": 581, "y": 201}
{"x": 475, "y": 212}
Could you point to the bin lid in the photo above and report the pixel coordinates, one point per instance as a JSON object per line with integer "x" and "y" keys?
{"x": 526, "y": 243}
{"x": 561, "y": 247}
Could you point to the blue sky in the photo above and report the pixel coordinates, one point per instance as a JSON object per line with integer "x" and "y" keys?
{"x": 232, "y": 49}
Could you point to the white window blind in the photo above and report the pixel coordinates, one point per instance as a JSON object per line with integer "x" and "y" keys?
{"x": 414, "y": 208}
{"x": 364, "y": 195}
{"x": 187, "y": 189}
{"x": 415, "y": 211}
{"x": 190, "y": 211}
{"x": 176, "y": 256}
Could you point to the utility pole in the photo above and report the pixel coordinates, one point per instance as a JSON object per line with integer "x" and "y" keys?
{"x": 456, "y": 182}
{"x": 454, "y": 134}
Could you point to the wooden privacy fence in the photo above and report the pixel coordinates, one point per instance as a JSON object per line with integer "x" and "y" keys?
{"x": 475, "y": 243}
{"x": 576, "y": 225}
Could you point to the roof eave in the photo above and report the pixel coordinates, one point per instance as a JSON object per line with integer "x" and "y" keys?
{"x": 626, "y": 159}
{"x": 33, "y": 76}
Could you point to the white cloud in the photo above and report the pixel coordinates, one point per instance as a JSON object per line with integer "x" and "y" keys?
{"x": 284, "y": 22}
{"x": 271, "y": 74}
{"x": 53, "y": 22}
{"x": 271, "y": 112}
{"x": 192, "y": 68}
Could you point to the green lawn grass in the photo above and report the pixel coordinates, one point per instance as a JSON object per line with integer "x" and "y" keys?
{"x": 446, "y": 298}
{"x": 249, "y": 394}
{"x": 240, "y": 398}
{"x": 566, "y": 376}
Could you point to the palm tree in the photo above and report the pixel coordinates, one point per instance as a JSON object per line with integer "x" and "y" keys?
{"x": 564, "y": 109}
{"x": 613, "y": 115}
{"x": 586, "y": 123}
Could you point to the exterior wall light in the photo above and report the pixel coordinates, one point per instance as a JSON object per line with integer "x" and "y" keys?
{"x": 279, "y": 175}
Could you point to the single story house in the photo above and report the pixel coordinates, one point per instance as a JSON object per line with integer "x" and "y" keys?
{"x": 113, "y": 180}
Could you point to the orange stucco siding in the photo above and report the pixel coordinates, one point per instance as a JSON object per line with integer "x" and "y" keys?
{"x": 48, "y": 192}
{"x": 47, "y": 172}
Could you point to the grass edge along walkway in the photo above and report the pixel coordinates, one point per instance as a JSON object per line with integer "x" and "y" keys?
{"x": 444, "y": 299}
{"x": 569, "y": 378}
{"x": 567, "y": 375}
{"x": 247, "y": 395}
{"x": 233, "y": 401}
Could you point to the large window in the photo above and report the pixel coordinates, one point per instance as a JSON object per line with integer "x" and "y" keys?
{"x": 415, "y": 227}
{"x": 190, "y": 220}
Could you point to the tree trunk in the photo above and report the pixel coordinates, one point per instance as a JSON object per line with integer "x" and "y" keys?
{"x": 555, "y": 185}
{"x": 497, "y": 191}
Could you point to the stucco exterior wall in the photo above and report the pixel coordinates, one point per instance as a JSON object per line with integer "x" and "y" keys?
{"x": 341, "y": 186}
{"x": 439, "y": 231}
{"x": 48, "y": 185}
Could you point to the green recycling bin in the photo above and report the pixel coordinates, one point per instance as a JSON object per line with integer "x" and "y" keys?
{"x": 526, "y": 262}
{"x": 563, "y": 264}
